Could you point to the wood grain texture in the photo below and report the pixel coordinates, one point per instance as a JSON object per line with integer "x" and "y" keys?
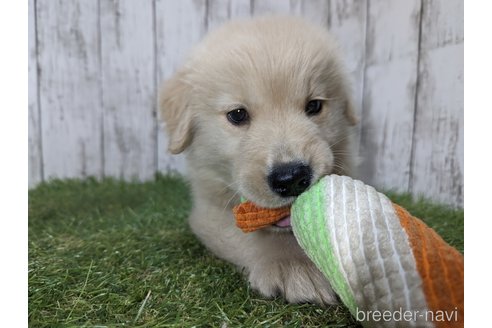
{"x": 315, "y": 11}
{"x": 389, "y": 92}
{"x": 70, "y": 99}
{"x": 269, "y": 7}
{"x": 95, "y": 68}
{"x": 347, "y": 23}
{"x": 221, "y": 11}
{"x": 442, "y": 23}
{"x": 437, "y": 164}
{"x": 179, "y": 26}
{"x": 35, "y": 174}
{"x": 128, "y": 88}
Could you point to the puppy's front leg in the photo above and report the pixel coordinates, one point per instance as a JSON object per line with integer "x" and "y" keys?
{"x": 295, "y": 277}
{"x": 274, "y": 262}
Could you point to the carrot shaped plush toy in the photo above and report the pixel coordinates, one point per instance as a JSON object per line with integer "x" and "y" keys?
{"x": 388, "y": 267}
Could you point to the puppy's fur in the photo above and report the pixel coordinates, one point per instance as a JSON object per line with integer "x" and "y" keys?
{"x": 271, "y": 66}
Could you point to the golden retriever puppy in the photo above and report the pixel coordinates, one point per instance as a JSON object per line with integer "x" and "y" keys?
{"x": 262, "y": 110}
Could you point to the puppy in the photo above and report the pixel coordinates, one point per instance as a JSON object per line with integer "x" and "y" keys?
{"x": 262, "y": 110}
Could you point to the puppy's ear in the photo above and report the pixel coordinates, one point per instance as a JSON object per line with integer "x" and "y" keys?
{"x": 350, "y": 113}
{"x": 174, "y": 108}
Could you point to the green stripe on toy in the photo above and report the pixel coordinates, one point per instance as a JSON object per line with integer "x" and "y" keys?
{"x": 309, "y": 211}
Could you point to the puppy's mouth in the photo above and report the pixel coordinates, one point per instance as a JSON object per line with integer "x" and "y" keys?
{"x": 283, "y": 223}
{"x": 281, "y": 226}
{"x": 251, "y": 217}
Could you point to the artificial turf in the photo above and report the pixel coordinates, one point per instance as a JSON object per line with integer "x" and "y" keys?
{"x": 113, "y": 253}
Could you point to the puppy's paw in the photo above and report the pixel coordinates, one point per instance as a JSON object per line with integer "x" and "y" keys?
{"x": 298, "y": 280}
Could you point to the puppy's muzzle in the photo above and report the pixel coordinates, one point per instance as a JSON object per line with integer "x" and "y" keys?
{"x": 290, "y": 179}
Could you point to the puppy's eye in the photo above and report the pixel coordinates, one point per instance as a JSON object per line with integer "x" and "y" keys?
{"x": 313, "y": 107}
{"x": 238, "y": 116}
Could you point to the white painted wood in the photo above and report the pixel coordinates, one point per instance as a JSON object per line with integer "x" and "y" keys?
{"x": 221, "y": 11}
{"x": 239, "y": 8}
{"x": 437, "y": 169}
{"x": 389, "y": 92}
{"x": 102, "y": 61}
{"x": 179, "y": 26}
{"x": 268, "y": 7}
{"x": 315, "y": 11}
{"x": 347, "y": 23}
{"x": 70, "y": 99}
{"x": 442, "y": 23}
{"x": 128, "y": 88}
{"x": 34, "y": 151}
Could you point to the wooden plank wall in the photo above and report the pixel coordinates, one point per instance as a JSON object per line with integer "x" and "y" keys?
{"x": 35, "y": 152}
{"x": 69, "y": 77}
{"x": 437, "y": 166}
{"x": 95, "y": 68}
{"x": 128, "y": 88}
{"x": 390, "y": 79}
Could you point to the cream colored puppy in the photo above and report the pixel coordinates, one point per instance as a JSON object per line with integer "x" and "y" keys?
{"x": 262, "y": 110}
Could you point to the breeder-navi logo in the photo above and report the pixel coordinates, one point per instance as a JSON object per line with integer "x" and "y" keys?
{"x": 407, "y": 315}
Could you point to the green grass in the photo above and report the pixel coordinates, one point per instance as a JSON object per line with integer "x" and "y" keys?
{"x": 98, "y": 248}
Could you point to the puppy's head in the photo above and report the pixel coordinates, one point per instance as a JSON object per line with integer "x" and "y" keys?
{"x": 263, "y": 109}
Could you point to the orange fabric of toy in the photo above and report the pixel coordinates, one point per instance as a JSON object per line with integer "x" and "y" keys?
{"x": 440, "y": 265}
{"x": 251, "y": 217}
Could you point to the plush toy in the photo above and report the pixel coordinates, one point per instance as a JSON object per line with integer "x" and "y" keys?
{"x": 388, "y": 267}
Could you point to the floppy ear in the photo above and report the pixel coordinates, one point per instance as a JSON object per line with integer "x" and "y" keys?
{"x": 174, "y": 108}
{"x": 350, "y": 112}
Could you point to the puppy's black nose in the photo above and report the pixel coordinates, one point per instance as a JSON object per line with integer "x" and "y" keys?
{"x": 290, "y": 179}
